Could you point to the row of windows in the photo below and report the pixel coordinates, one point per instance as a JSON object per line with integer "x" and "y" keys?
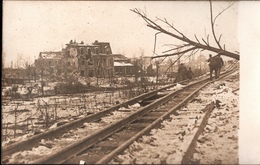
{"x": 48, "y": 62}
{"x": 105, "y": 62}
{"x": 89, "y": 52}
{"x": 99, "y": 72}
{"x": 90, "y": 73}
{"x": 97, "y": 51}
{"x": 89, "y": 62}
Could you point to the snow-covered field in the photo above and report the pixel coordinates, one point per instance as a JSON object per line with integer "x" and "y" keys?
{"x": 217, "y": 144}
{"x": 47, "y": 147}
{"x": 58, "y": 109}
{"x": 53, "y": 109}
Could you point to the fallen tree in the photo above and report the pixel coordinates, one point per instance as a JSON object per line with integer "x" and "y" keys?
{"x": 191, "y": 46}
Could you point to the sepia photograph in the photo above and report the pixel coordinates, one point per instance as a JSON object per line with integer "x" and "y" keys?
{"x": 130, "y": 82}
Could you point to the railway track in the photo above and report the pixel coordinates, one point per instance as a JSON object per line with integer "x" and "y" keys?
{"x": 59, "y": 131}
{"x": 113, "y": 136}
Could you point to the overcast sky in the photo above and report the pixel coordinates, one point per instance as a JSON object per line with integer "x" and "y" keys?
{"x": 30, "y": 27}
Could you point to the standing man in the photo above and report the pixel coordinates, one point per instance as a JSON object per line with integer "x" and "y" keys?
{"x": 190, "y": 73}
{"x": 213, "y": 66}
{"x": 181, "y": 75}
{"x": 220, "y": 63}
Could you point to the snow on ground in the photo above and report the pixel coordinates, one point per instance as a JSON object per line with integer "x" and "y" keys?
{"x": 163, "y": 145}
{"x": 35, "y": 153}
{"x": 117, "y": 115}
{"x": 47, "y": 147}
{"x": 66, "y": 107}
{"x": 167, "y": 144}
{"x": 51, "y": 146}
{"x": 58, "y": 108}
{"x": 176, "y": 87}
{"x": 218, "y": 143}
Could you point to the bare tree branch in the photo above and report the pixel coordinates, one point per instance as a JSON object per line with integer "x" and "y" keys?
{"x": 155, "y": 40}
{"x": 177, "y": 53}
{"x": 196, "y": 38}
{"x": 171, "y": 45}
{"x": 205, "y": 42}
{"x": 219, "y": 38}
{"x": 222, "y": 12}
{"x": 146, "y": 19}
{"x": 174, "y": 62}
{"x": 165, "y": 21}
{"x": 237, "y": 52}
{"x": 192, "y": 53}
{"x": 197, "y": 45}
{"x": 178, "y": 47}
{"x": 212, "y": 25}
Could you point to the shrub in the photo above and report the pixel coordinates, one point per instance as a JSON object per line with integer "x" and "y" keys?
{"x": 69, "y": 88}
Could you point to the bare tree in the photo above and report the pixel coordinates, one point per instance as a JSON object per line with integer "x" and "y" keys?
{"x": 98, "y": 70}
{"x": 142, "y": 64}
{"x": 28, "y": 70}
{"x": 136, "y": 64}
{"x": 191, "y": 46}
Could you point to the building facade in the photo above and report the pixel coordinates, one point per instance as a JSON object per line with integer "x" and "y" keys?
{"x": 87, "y": 60}
{"x": 123, "y": 66}
{"x": 93, "y": 60}
{"x": 48, "y": 64}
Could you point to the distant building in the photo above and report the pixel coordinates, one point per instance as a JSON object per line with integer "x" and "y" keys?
{"x": 103, "y": 66}
{"x": 48, "y": 60}
{"x": 120, "y": 58}
{"x": 93, "y": 60}
{"x": 122, "y": 65}
{"x": 102, "y": 47}
{"x": 47, "y": 63}
{"x": 123, "y": 69}
{"x": 88, "y": 60}
{"x": 14, "y": 76}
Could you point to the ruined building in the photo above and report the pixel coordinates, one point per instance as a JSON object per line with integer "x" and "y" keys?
{"x": 87, "y": 60}
{"x": 47, "y": 64}
{"x": 93, "y": 60}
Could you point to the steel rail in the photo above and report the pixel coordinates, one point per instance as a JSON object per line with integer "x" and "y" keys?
{"x": 186, "y": 159}
{"x": 188, "y": 153}
{"x": 123, "y": 146}
{"x": 33, "y": 141}
{"x": 50, "y": 134}
{"x": 83, "y": 144}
